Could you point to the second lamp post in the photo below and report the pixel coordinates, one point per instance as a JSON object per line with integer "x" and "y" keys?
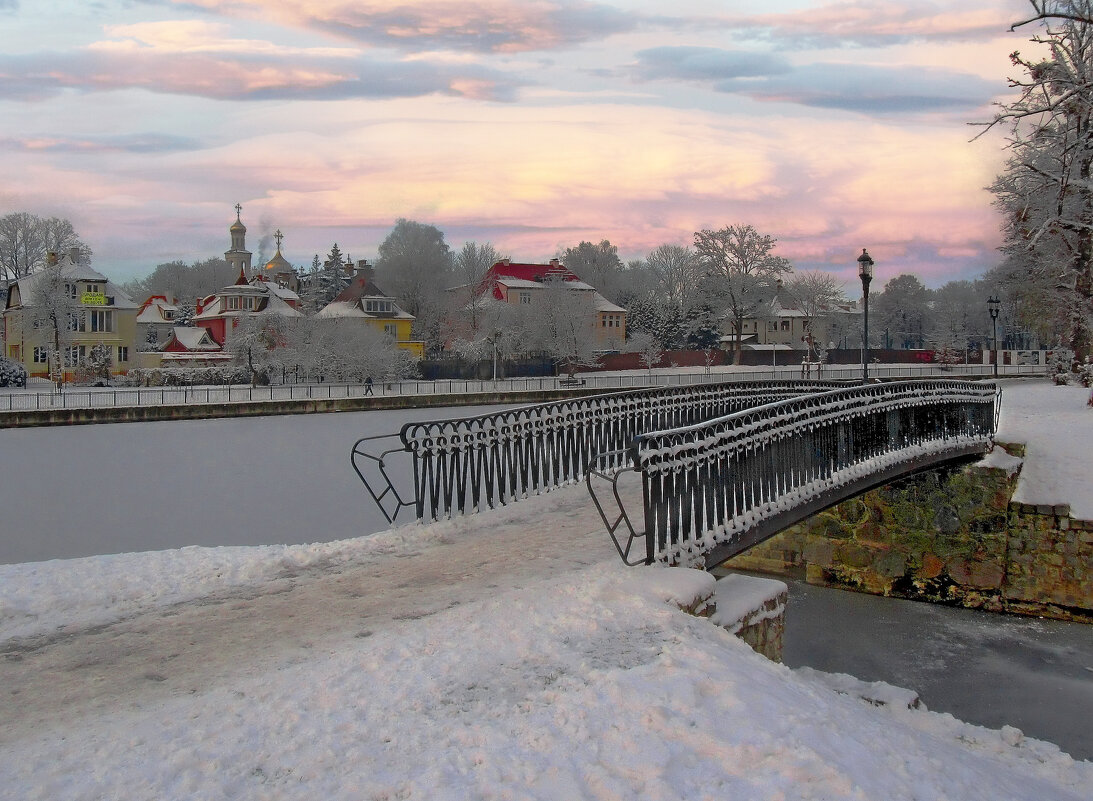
{"x": 865, "y": 272}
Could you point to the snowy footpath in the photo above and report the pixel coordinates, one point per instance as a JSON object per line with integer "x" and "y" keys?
{"x": 507, "y": 655}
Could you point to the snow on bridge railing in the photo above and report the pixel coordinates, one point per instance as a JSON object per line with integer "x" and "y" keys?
{"x": 489, "y": 460}
{"x": 716, "y": 488}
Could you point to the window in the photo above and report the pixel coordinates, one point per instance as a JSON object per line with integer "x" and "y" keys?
{"x": 250, "y": 304}
{"x": 232, "y": 302}
{"x": 390, "y": 330}
{"x": 41, "y": 355}
{"x": 772, "y": 326}
{"x": 101, "y": 321}
{"x": 75, "y": 355}
{"x": 383, "y": 306}
{"x": 785, "y": 325}
{"x": 76, "y": 321}
{"x": 168, "y": 314}
{"x": 70, "y": 290}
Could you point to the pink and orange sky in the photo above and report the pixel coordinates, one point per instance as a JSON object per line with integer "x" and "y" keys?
{"x": 532, "y": 125}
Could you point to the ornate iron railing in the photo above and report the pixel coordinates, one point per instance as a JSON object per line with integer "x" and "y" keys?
{"x": 716, "y": 488}
{"x": 489, "y": 460}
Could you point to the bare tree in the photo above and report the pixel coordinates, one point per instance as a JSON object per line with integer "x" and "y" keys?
{"x": 560, "y": 322}
{"x": 26, "y": 240}
{"x": 471, "y": 265}
{"x": 740, "y": 271}
{"x": 1045, "y": 10}
{"x": 817, "y": 295}
{"x": 677, "y": 270}
{"x": 903, "y": 311}
{"x": 1046, "y": 192}
{"x": 53, "y": 312}
{"x": 598, "y": 265}
{"x": 253, "y": 341}
{"x": 648, "y": 348}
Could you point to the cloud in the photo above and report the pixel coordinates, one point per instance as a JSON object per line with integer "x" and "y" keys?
{"x": 706, "y": 64}
{"x": 242, "y": 76}
{"x": 869, "y": 23}
{"x": 505, "y": 26}
{"x": 866, "y": 89}
{"x": 9, "y": 5}
{"x": 196, "y": 36}
{"x": 128, "y": 143}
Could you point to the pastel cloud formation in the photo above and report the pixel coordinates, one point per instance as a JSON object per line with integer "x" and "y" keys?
{"x": 879, "y": 23}
{"x": 832, "y": 126}
{"x": 851, "y": 87}
{"x": 503, "y": 26}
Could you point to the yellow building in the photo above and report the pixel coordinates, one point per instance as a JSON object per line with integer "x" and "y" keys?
{"x": 96, "y": 312}
{"x": 366, "y": 303}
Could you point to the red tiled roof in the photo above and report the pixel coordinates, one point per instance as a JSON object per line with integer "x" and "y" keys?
{"x": 524, "y": 272}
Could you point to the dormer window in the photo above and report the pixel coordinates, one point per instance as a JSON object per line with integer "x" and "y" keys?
{"x": 233, "y": 302}
{"x": 378, "y": 306}
{"x": 168, "y": 314}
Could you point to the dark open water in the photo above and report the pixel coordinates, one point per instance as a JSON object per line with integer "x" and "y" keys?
{"x": 984, "y": 668}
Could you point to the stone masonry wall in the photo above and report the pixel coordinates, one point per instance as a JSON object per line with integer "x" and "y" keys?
{"x": 948, "y": 536}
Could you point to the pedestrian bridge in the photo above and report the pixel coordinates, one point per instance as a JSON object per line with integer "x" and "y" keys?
{"x": 684, "y": 475}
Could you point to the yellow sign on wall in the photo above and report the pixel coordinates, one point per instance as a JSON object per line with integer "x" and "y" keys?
{"x": 93, "y": 299}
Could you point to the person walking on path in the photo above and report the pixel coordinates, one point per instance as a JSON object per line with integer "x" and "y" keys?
{"x": 368, "y": 385}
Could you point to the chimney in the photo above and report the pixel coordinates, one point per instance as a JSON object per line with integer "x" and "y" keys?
{"x": 74, "y": 255}
{"x": 555, "y": 263}
{"x": 505, "y": 262}
{"x": 51, "y": 259}
{"x": 365, "y": 270}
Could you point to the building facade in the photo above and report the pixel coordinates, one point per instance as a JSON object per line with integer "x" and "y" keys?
{"x": 54, "y": 320}
{"x": 524, "y": 286}
{"x": 364, "y": 303}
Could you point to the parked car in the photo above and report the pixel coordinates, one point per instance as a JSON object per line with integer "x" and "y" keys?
{"x": 12, "y": 373}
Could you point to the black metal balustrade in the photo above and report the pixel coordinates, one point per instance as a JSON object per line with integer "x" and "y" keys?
{"x": 489, "y": 460}
{"x": 715, "y": 488}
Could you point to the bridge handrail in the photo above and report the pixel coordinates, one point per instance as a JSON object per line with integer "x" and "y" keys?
{"x": 464, "y": 464}
{"x": 706, "y": 483}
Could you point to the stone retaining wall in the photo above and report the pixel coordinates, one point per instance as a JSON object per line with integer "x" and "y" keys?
{"x": 950, "y": 535}
{"x": 749, "y": 607}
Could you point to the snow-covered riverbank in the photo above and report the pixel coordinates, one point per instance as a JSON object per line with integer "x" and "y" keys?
{"x": 505, "y": 655}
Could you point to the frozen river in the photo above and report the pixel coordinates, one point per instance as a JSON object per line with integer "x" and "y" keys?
{"x": 72, "y": 491}
{"x": 985, "y": 668}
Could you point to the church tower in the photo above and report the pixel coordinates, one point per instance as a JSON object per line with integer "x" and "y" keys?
{"x": 238, "y": 256}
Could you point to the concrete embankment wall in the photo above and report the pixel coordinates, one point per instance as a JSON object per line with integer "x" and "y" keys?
{"x": 951, "y": 536}
{"x": 200, "y": 411}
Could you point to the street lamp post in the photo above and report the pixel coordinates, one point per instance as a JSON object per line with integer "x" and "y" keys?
{"x": 994, "y": 305}
{"x": 865, "y": 272}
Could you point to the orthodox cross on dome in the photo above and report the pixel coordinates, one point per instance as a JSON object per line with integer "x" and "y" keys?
{"x": 238, "y": 211}
{"x": 278, "y": 236}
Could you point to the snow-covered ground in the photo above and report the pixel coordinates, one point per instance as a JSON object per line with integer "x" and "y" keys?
{"x": 502, "y": 655}
{"x": 1057, "y": 427}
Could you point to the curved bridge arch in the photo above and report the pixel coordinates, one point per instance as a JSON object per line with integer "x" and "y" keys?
{"x": 714, "y": 489}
